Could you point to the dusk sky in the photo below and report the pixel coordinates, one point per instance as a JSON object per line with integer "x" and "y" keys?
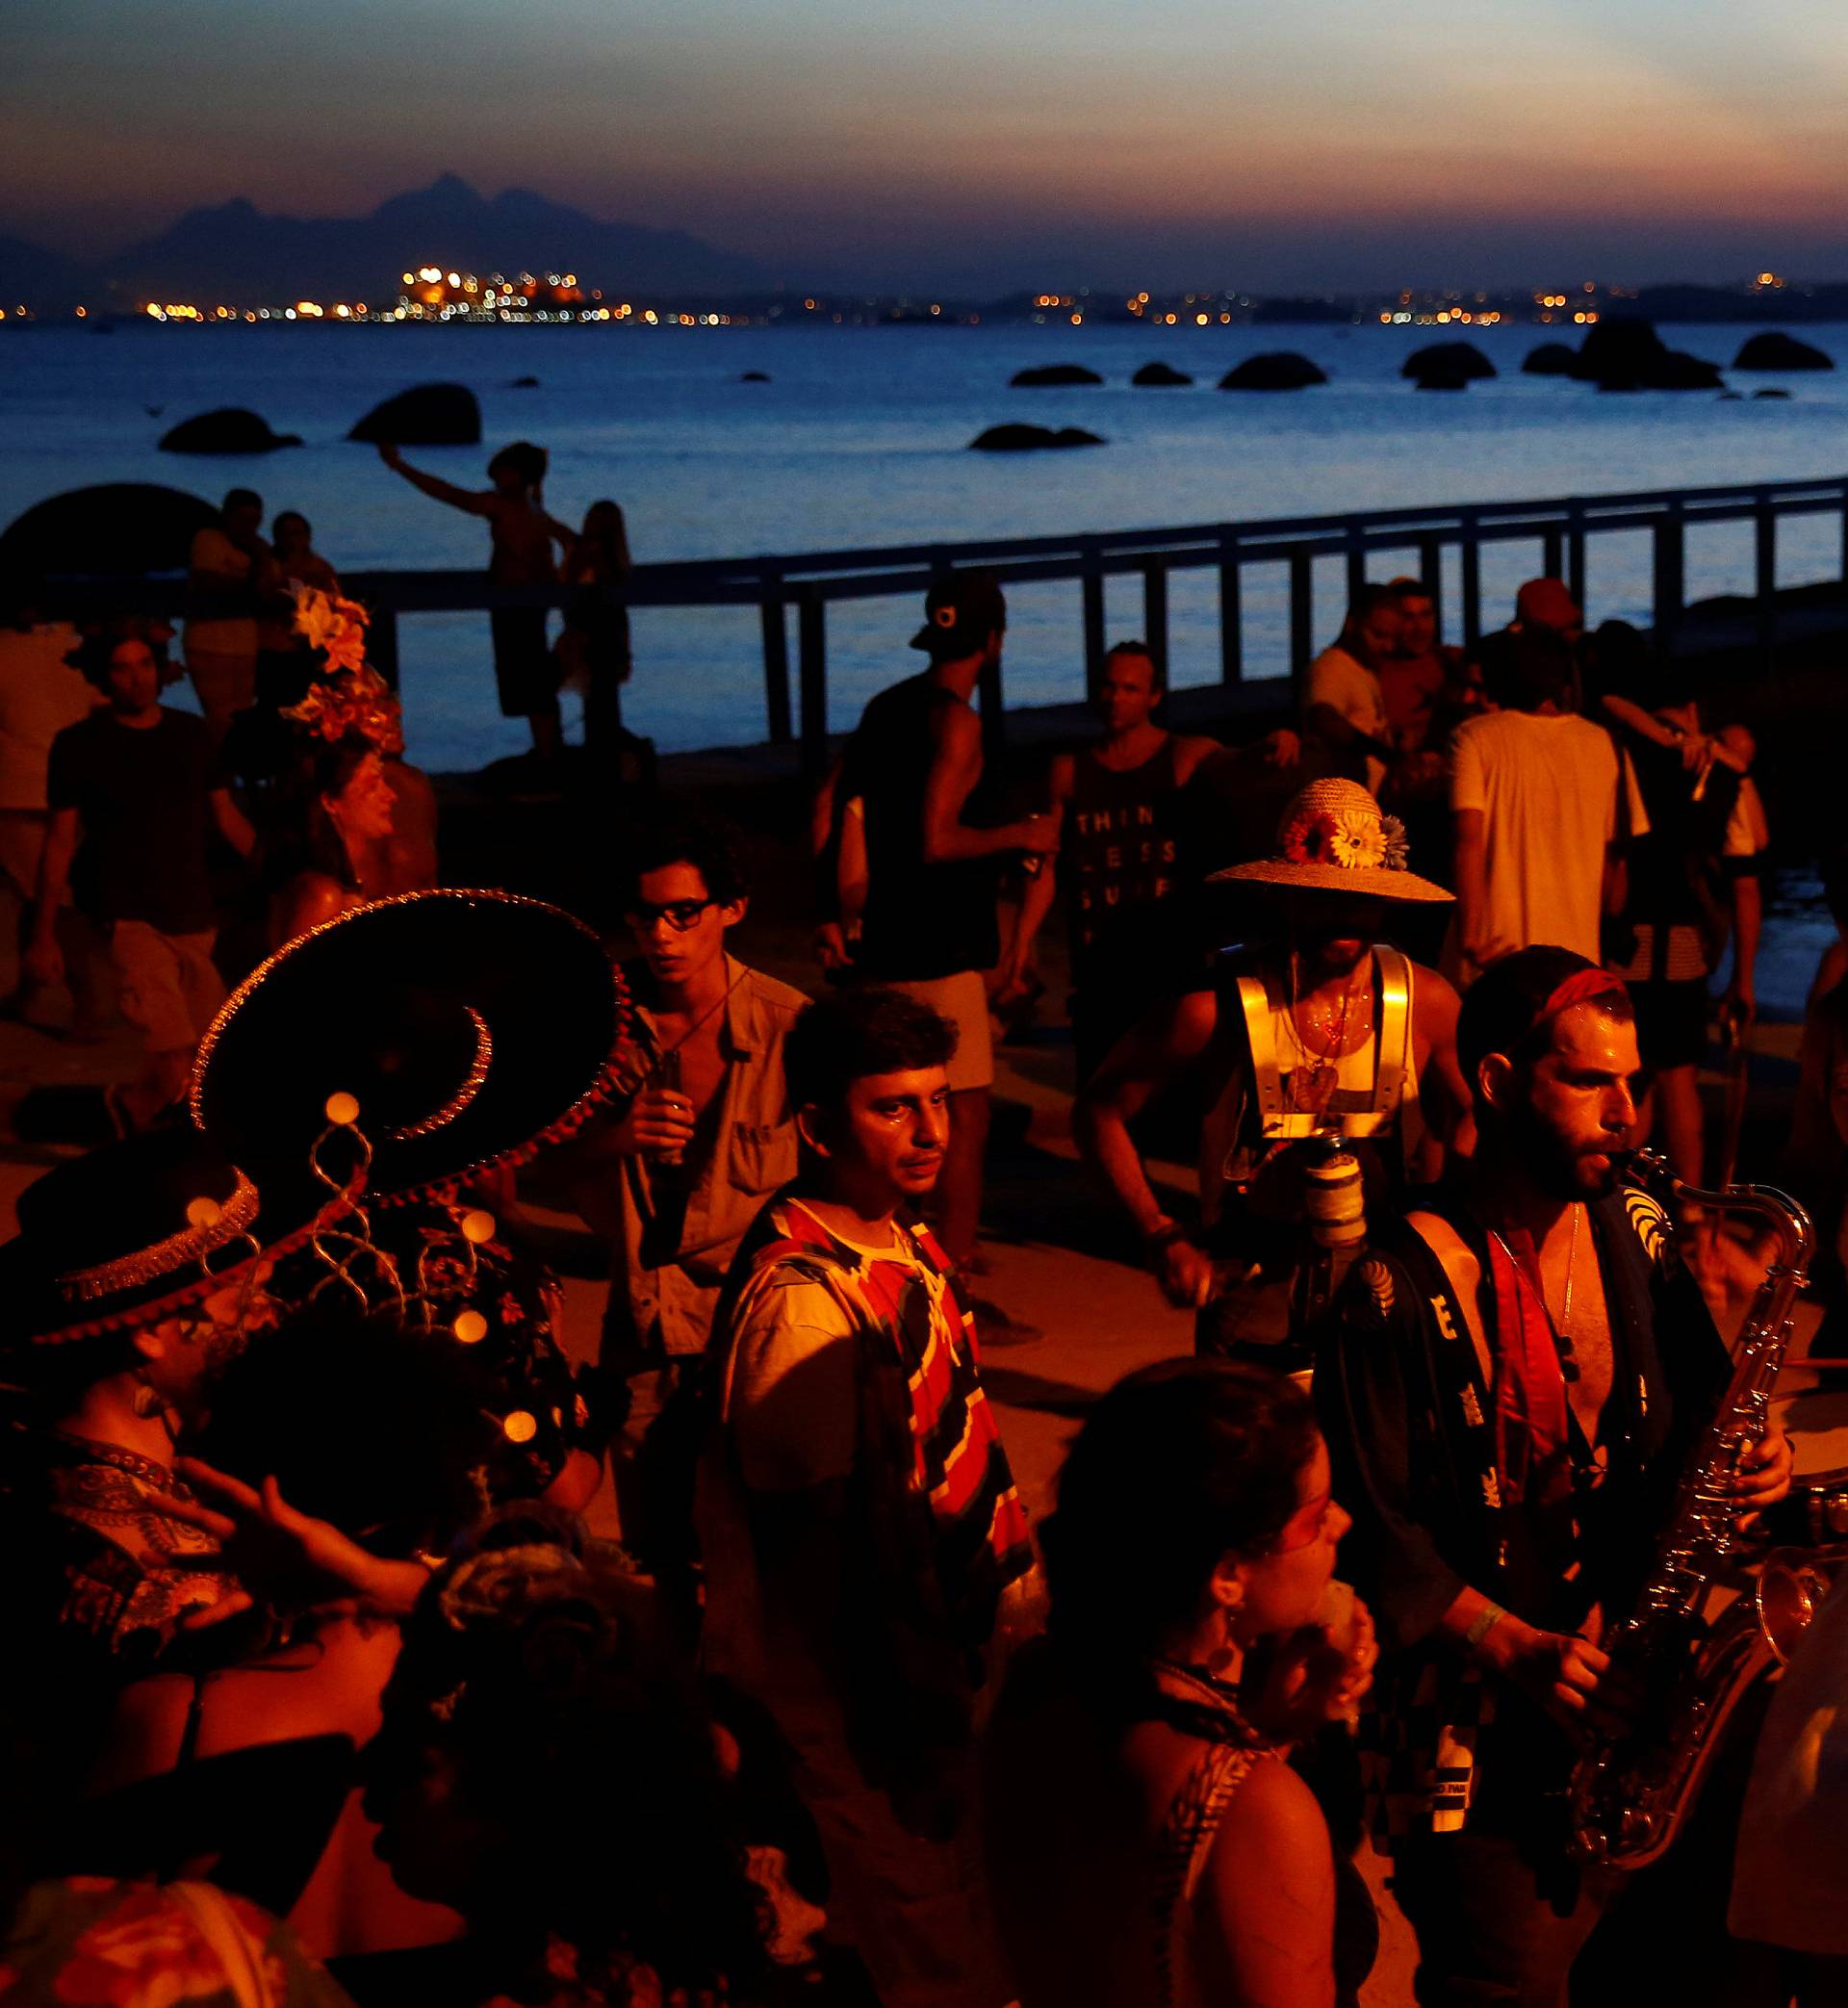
{"x": 1319, "y": 142}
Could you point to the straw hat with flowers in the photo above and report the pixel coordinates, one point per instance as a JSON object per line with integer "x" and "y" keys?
{"x": 1333, "y": 838}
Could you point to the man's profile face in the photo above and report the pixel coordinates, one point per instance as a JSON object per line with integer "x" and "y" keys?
{"x": 886, "y": 1144}
{"x": 1128, "y": 692}
{"x": 134, "y": 676}
{"x": 1570, "y": 1109}
{"x": 1379, "y": 635}
{"x": 677, "y": 956}
{"x": 1417, "y": 625}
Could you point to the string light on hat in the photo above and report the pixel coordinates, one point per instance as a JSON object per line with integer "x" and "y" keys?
{"x": 343, "y": 1239}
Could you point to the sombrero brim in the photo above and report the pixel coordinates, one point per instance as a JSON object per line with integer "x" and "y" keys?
{"x": 39, "y": 1316}
{"x": 1358, "y": 882}
{"x": 352, "y": 1007}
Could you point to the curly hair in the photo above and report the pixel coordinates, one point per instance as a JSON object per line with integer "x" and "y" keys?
{"x": 1178, "y": 1464}
{"x": 848, "y": 1034}
{"x": 537, "y": 1663}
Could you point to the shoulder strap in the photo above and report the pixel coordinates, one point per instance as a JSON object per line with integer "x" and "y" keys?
{"x": 1392, "y": 1053}
{"x": 1453, "y": 1257}
{"x": 1260, "y": 1035}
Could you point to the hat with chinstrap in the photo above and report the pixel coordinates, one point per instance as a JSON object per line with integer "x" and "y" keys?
{"x": 446, "y": 1032}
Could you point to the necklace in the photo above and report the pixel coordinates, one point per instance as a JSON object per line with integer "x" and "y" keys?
{"x": 1309, "y": 1093}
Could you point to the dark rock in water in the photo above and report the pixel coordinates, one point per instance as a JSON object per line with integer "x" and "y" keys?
{"x": 1283, "y": 370}
{"x": 1463, "y": 360}
{"x": 432, "y": 414}
{"x": 1442, "y": 380}
{"x": 753, "y": 376}
{"x": 1031, "y": 439}
{"x": 1729, "y": 397}
{"x": 121, "y": 528}
{"x": 229, "y": 431}
{"x": 1550, "y": 359}
{"x": 524, "y": 383}
{"x": 1757, "y": 395}
{"x": 1776, "y": 351}
{"x": 1629, "y": 355}
{"x": 1052, "y": 376}
{"x": 1162, "y": 374}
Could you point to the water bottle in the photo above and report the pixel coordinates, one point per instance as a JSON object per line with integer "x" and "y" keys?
{"x": 1333, "y": 1199}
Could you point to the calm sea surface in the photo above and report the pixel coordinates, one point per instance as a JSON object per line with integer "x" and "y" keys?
{"x": 860, "y": 439}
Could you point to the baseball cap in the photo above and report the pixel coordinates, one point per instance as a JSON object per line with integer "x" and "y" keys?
{"x": 961, "y": 611}
{"x": 1547, "y": 604}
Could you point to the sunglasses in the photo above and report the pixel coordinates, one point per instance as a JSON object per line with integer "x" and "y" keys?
{"x": 680, "y": 915}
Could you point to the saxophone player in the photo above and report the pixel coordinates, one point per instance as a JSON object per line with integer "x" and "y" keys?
{"x": 1518, "y": 1370}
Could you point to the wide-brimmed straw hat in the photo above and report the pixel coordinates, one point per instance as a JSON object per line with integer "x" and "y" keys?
{"x": 455, "y": 1031}
{"x": 1333, "y": 838}
{"x": 139, "y": 1230}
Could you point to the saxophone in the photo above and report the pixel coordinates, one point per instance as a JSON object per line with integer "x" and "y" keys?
{"x": 1632, "y": 1789}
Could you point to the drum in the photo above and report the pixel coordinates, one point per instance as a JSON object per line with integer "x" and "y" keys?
{"x": 1816, "y": 1419}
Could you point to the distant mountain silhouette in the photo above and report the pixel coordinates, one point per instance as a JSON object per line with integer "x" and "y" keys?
{"x": 233, "y": 252}
{"x": 30, "y": 273}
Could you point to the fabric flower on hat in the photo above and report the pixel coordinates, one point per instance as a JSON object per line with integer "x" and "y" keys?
{"x": 1398, "y": 851}
{"x": 1307, "y": 839}
{"x": 357, "y": 701}
{"x": 1356, "y": 841}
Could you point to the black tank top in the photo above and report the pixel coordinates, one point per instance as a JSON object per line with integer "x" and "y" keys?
{"x": 921, "y": 920}
{"x": 1118, "y": 851}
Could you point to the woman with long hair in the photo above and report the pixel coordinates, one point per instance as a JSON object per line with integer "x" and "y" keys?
{"x": 593, "y": 649}
{"x": 1149, "y": 1843}
{"x": 344, "y": 816}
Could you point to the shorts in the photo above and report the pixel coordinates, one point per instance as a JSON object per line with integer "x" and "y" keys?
{"x": 171, "y": 986}
{"x": 962, "y": 999}
{"x": 1671, "y": 1022}
{"x": 525, "y": 672}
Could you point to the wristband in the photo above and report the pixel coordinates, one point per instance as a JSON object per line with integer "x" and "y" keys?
{"x": 1486, "y": 1620}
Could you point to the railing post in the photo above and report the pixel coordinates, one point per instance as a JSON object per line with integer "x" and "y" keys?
{"x": 1356, "y": 567}
{"x": 812, "y": 623}
{"x": 381, "y": 643}
{"x": 1430, "y": 571}
{"x": 1575, "y": 554}
{"x": 1552, "y": 554}
{"x": 1231, "y": 613}
{"x": 1671, "y": 588}
{"x": 1303, "y": 611}
{"x": 1155, "y": 615}
{"x": 1094, "y": 586}
{"x": 1472, "y": 584}
{"x": 1765, "y": 525}
{"x": 987, "y": 689}
{"x": 776, "y": 658}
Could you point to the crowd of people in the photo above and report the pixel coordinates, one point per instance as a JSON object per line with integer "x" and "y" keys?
{"x": 321, "y": 1689}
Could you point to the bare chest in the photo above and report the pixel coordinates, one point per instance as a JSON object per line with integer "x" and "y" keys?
{"x": 1576, "y": 1303}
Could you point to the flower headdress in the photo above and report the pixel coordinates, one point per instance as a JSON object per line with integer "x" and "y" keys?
{"x": 348, "y": 697}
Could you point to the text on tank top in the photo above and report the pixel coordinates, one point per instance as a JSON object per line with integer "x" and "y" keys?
{"x": 1118, "y": 845}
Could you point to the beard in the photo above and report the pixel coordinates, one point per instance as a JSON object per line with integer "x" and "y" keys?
{"x": 1563, "y": 1170}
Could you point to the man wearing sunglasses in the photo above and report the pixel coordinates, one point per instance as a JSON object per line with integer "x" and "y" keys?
{"x": 678, "y": 1172}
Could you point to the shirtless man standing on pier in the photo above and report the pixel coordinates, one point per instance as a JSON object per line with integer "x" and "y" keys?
{"x": 524, "y": 673}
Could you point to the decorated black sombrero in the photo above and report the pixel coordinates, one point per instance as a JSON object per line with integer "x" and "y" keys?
{"x": 454, "y": 1031}
{"x": 138, "y": 1231}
